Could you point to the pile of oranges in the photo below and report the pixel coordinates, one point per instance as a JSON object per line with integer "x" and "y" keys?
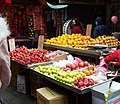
{"x": 88, "y": 72}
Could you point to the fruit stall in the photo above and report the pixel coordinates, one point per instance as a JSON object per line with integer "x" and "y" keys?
{"x": 73, "y": 75}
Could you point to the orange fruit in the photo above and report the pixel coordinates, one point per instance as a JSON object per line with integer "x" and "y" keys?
{"x": 87, "y": 72}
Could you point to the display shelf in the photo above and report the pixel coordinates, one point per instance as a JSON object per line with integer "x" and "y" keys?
{"x": 20, "y": 65}
{"x": 78, "y": 91}
{"x": 68, "y": 87}
{"x": 87, "y": 53}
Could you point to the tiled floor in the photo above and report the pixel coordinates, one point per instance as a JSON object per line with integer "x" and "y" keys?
{"x": 11, "y": 96}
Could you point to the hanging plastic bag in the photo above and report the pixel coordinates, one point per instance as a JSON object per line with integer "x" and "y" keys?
{"x": 101, "y": 68}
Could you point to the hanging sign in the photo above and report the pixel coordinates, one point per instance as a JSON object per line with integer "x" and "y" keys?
{"x": 8, "y": 1}
{"x": 12, "y": 44}
{"x": 37, "y": 17}
{"x": 88, "y": 30}
{"x": 40, "y": 42}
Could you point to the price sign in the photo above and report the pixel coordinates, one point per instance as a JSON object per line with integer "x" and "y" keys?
{"x": 40, "y": 42}
{"x": 12, "y": 44}
{"x": 88, "y": 30}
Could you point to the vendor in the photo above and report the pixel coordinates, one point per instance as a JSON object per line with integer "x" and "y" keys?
{"x": 113, "y": 58}
{"x": 100, "y": 29}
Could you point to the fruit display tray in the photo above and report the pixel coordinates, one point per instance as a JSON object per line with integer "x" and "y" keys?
{"x": 43, "y": 63}
{"x": 32, "y": 65}
{"x": 71, "y": 88}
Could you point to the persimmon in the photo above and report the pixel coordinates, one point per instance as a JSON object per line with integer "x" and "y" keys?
{"x": 87, "y": 72}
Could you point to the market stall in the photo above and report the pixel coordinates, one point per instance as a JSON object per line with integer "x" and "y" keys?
{"x": 43, "y": 78}
{"x": 37, "y": 67}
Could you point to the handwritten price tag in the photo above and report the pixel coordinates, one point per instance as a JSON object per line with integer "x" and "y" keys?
{"x": 88, "y": 30}
{"x": 12, "y": 44}
{"x": 40, "y": 42}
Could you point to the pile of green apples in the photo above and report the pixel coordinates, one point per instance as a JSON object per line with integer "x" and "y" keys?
{"x": 67, "y": 77}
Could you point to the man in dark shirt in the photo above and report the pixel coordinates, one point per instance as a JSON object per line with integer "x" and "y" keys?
{"x": 100, "y": 28}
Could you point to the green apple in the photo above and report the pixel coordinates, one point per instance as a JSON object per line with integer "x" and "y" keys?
{"x": 110, "y": 91}
{"x": 106, "y": 96}
{"x": 82, "y": 74}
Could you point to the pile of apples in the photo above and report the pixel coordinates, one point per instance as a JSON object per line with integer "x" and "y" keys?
{"x": 83, "y": 82}
{"x": 77, "y": 64}
{"x": 67, "y": 77}
{"x": 27, "y": 56}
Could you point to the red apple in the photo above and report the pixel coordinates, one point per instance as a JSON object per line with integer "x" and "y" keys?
{"x": 80, "y": 83}
{"x": 81, "y": 64}
{"x": 68, "y": 65}
{"x": 73, "y": 66}
{"x": 86, "y": 63}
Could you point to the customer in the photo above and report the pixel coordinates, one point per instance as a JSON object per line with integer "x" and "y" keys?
{"x": 5, "y": 73}
{"x": 100, "y": 28}
{"x": 76, "y": 26}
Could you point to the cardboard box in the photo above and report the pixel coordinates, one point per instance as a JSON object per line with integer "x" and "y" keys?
{"x": 60, "y": 57}
{"x": 99, "y": 90}
{"x": 46, "y": 95}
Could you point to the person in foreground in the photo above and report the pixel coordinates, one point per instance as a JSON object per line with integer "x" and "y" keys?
{"x": 100, "y": 28}
{"x": 5, "y": 72}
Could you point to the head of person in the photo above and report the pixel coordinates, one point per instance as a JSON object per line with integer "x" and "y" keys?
{"x": 98, "y": 21}
{"x": 76, "y": 21}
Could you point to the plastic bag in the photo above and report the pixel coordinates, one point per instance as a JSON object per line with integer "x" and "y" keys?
{"x": 101, "y": 68}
